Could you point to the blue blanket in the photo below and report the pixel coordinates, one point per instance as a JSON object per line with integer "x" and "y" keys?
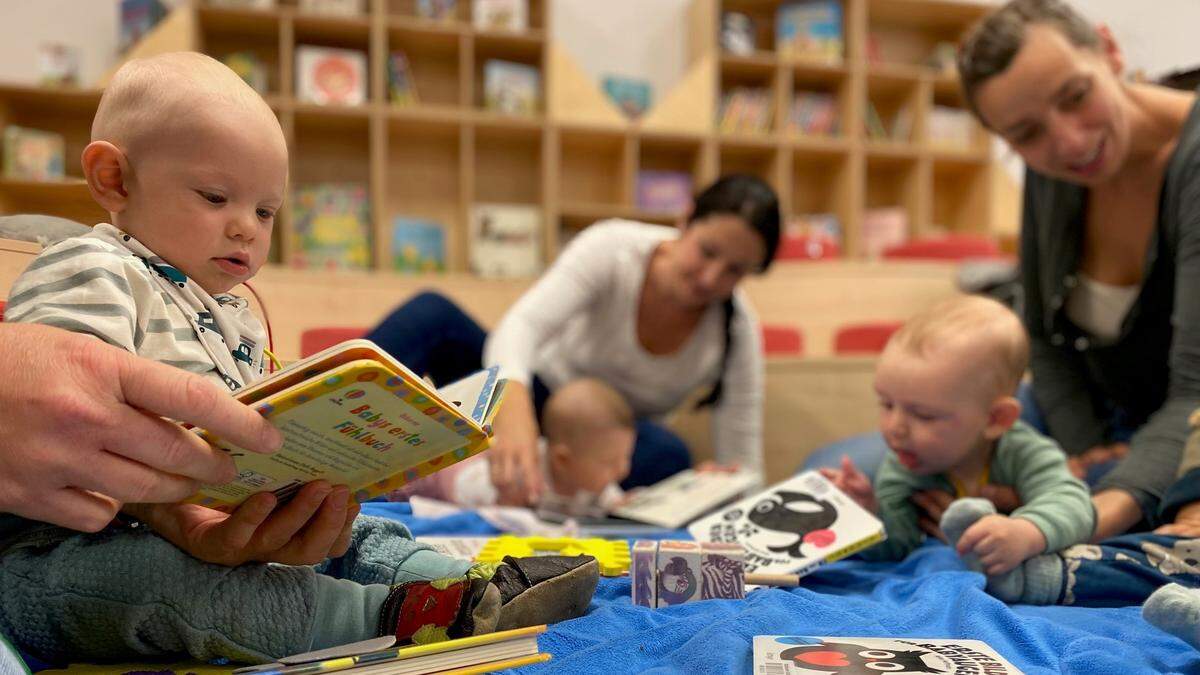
{"x": 930, "y": 594}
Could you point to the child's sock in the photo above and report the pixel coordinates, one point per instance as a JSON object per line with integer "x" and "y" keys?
{"x": 1036, "y": 581}
{"x": 516, "y": 593}
{"x": 1176, "y": 610}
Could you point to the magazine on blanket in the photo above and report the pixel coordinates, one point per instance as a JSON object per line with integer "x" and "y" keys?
{"x": 684, "y": 497}
{"x": 355, "y": 416}
{"x": 793, "y": 527}
{"x": 803, "y": 655}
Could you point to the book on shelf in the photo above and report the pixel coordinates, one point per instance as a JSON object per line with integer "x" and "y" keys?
{"x": 874, "y": 123}
{"x": 632, "y": 95}
{"x": 813, "y": 236}
{"x": 402, "y": 88}
{"x": 664, "y": 191}
{"x": 33, "y": 154}
{"x": 355, "y": 416}
{"x": 684, "y": 497}
{"x": 951, "y": 127}
{"x": 485, "y": 653}
{"x": 333, "y": 7}
{"x": 438, "y": 10}
{"x": 500, "y": 14}
{"x": 418, "y": 245}
{"x": 248, "y": 66}
{"x": 138, "y": 17}
{"x": 332, "y": 225}
{"x": 244, "y": 4}
{"x": 810, "y": 29}
{"x": 58, "y": 65}
{"x": 809, "y": 655}
{"x": 738, "y": 34}
{"x": 512, "y": 88}
{"x": 898, "y": 128}
{"x": 793, "y": 527}
{"x": 505, "y": 240}
{"x": 813, "y": 114}
{"x": 883, "y": 228}
{"x": 330, "y": 75}
{"x": 746, "y": 110}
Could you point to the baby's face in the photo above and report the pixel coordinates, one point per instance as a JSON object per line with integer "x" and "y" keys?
{"x": 206, "y": 203}
{"x": 594, "y": 468}
{"x": 932, "y": 410}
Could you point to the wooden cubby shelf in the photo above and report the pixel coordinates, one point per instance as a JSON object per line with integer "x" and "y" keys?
{"x": 577, "y": 158}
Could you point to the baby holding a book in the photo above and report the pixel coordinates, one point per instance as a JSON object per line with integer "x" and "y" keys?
{"x": 192, "y": 166}
{"x": 588, "y": 435}
{"x": 946, "y": 383}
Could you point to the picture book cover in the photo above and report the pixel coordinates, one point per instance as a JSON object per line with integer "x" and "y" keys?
{"x": 402, "y": 89}
{"x": 810, "y": 29}
{"x": 438, "y": 10}
{"x": 506, "y": 240}
{"x": 500, "y": 14}
{"x": 793, "y": 527}
{"x": 418, "y": 245}
{"x": 684, "y": 497}
{"x": 512, "y": 88}
{"x": 664, "y": 191}
{"x": 804, "y": 655}
{"x": 355, "y": 416}
{"x": 32, "y": 154}
{"x": 331, "y": 76}
{"x": 332, "y": 225}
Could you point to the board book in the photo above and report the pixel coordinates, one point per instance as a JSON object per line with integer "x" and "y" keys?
{"x": 804, "y": 655}
{"x": 476, "y": 654}
{"x": 793, "y": 527}
{"x": 353, "y": 415}
{"x": 684, "y": 497}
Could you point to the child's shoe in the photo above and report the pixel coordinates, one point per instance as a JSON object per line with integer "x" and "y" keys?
{"x": 515, "y": 593}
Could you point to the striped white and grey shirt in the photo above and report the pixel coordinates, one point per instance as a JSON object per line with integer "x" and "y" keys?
{"x": 108, "y": 285}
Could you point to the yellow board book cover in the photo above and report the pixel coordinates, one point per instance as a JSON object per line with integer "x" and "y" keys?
{"x": 353, "y": 415}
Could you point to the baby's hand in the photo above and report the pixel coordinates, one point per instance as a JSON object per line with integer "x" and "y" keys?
{"x": 854, "y": 483}
{"x": 1002, "y": 543}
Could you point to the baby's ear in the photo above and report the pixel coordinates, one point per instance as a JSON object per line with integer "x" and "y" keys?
{"x": 106, "y": 170}
{"x": 1004, "y": 413}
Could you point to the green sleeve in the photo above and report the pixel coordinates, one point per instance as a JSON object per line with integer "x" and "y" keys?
{"x": 893, "y": 486}
{"x": 1058, "y": 503}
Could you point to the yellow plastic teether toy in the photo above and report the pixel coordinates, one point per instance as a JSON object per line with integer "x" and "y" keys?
{"x": 613, "y": 556}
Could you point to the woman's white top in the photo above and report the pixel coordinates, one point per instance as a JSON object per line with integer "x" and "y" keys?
{"x": 580, "y": 320}
{"x": 1100, "y": 308}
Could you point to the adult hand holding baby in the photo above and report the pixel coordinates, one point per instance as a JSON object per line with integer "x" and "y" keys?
{"x": 933, "y": 503}
{"x": 81, "y": 432}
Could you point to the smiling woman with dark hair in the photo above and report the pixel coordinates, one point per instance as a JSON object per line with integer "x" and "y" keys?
{"x": 651, "y": 311}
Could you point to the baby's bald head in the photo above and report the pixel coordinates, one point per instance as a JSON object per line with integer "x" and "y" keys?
{"x": 161, "y": 96}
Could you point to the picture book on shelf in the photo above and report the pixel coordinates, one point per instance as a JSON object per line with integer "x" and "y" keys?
{"x": 485, "y": 653}
{"x": 631, "y": 95}
{"x": 811, "y": 29}
{"x": 813, "y": 114}
{"x": 331, "y": 76}
{"x": 353, "y": 415}
{"x": 32, "y": 154}
{"x": 332, "y": 225}
{"x": 793, "y": 527}
{"x": 806, "y": 655}
{"x": 513, "y": 88}
{"x": 58, "y": 64}
{"x": 440, "y": 10}
{"x": 402, "y": 89}
{"x": 248, "y": 66}
{"x": 664, "y": 191}
{"x": 684, "y": 497}
{"x": 500, "y": 14}
{"x": 418, "y": 245}
{"x": 505, "y": 240}
{"x": 883, "y": 228}
{"x": 746, "y": 110}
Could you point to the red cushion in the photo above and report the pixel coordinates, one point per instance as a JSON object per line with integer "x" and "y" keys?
{"x": 782, "y": 341}
{"x": 314, "y": 340}
{"x": 949, "y": 247}
{"x": 864, "y": 338}
{"x": 2, "y": 303}
{"x": 807, "y": 247}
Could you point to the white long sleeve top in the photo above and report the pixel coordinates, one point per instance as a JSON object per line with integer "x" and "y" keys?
{"x": 580, "y": 320}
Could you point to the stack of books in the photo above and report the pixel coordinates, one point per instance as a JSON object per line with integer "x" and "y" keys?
{"x": 813, "y": 114}
{"x": 746, "y": 110}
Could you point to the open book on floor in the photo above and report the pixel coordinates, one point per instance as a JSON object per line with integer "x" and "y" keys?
{"x": 684, "y": 497}
{"x": 804, "y": 655}
{"x": 355, "y": 416}
{"x": 793, "y": 527}
{"x": 477, "y": 654}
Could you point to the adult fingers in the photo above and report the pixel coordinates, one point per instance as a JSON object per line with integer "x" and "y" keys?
{"x": 160, "y": 445}
{"x": 171, "y": 392}
{"x": 73, "y": 508}
{"x": 124, "y": 480}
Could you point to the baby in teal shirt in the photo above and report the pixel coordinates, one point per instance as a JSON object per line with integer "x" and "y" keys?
{"x": 946, "y": 383}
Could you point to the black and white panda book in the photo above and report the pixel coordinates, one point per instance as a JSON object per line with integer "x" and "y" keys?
{"x": 804, "y": 655}
{"x": 793, "y": 527}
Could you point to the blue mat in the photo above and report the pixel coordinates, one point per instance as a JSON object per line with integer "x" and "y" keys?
{"x": 928, "y": 595}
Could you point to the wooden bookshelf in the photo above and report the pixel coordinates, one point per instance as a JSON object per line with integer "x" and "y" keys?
{"x": 577, "y": 158}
